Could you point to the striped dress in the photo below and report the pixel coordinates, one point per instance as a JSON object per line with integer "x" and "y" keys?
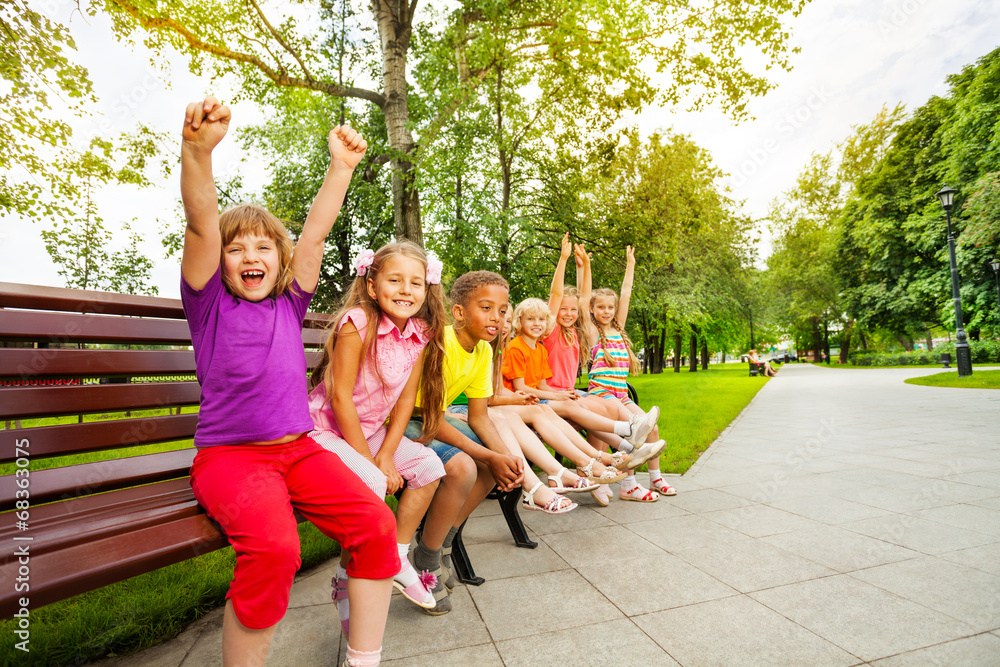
{"x": 610, "y": 381}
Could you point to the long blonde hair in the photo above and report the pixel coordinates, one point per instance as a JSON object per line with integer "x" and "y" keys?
{"x": 248, "y": 218}
{"x": 432, "y": 313}
{"x": 567, "y": 334}
{"x": 633, "y": 361}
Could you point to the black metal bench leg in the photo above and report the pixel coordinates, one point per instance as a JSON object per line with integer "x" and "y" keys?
{"x": 460, "y": 559}
{"x": 509, "y": 502}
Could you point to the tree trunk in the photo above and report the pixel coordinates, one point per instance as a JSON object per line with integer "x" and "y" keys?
{"x": 395, "y": 30}
{"x": 677, "y": 352}
{"x": 693, "y": 356}
{"x": 930, "y": 341}
{"x": 817, "y": 341}
{"x": 704, "y": 354}
{"x": 826, "y": 339}
{"x": 845, "y": 341}
{"x": 662, "y": 352}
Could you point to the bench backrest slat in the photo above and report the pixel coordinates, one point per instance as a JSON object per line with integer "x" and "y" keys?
{"x": 23, "y": 402}
{"x": 23, "y": 362}
{"x": 45, "y": 441}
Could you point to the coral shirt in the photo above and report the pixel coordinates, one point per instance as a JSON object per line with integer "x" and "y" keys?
{"x": 522, "y": 361}
{"x": 564, "y": 359}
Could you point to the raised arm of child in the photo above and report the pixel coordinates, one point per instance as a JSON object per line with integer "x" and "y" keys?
{"x": 626, "y": 294}
{"x": 585, "y": 284}
{"x": 399, "y": 417}
{"x": 347, "y": 147}
{"x": 556, "y": 290}
{"x": 205, "y": 125}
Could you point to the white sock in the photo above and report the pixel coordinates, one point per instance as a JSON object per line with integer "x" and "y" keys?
{"x": 363, "y": 658}
{"x": 629, "y": 483}
{"x": 625, "y": 446}
{"x": 407, "y": 576}
{"x": 654, "y": 474}
{"x": 343, "y": 606}
{"x": 623, "y": 429}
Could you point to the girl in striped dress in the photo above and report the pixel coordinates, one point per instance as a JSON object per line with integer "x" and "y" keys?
{"x": 611, "y": 361}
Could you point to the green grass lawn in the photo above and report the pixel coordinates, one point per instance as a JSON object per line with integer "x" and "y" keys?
{"x": 151, "y": 608}
{"x": 978, "y": 380}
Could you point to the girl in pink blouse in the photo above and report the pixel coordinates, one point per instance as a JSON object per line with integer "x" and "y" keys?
{"x": 389, "y": 333}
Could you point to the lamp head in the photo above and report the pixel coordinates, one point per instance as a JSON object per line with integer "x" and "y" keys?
{"x": 947, "y": 197}
{"x": 996, "y": 265}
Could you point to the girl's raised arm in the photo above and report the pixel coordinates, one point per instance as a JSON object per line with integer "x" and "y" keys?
{"x": 586, "y": 287}
{"x": 626, "y": 296}
{"x": 556, "y": 291}
{"x": 205, "y": 124}
{"x": 347, "y": 147}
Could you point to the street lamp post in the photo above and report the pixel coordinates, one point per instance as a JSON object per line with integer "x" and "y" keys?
{"x": 963, "y": 357}
{"x": 996, "y": 273}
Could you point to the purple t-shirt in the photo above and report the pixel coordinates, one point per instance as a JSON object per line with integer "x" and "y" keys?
{"x": 250, "y": 364}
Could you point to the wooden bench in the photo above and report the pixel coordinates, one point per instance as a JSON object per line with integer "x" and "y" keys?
{"x": 77, "y": 355}
{"x": 756, "y": 368}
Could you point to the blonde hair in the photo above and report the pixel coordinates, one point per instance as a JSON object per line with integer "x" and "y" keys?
{"x": 432, "y": 312}
{"x": 633, "y": 361}
{"x": 536, "y": 307}
{"x": 246, "y": 218}
{"x": 500, "y": 345}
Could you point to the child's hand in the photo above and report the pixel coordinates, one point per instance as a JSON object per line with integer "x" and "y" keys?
{"x": 393, "y": 481}
{"x": 347, "y": 146}
{"x": 629, "y": 255}
{"x": 582, "y": 258}
{"x": 206, "y": 123}
{"x": 523, "y": 397}
{"x": 567, "y": 248}
{"x": 507, "y": 470}
{"x": 570, "y": 395}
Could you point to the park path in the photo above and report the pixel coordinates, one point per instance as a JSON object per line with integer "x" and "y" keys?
{"x": 844, "y": 518}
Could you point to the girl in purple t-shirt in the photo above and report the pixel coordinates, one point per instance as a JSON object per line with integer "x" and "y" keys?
{"x": 388, "y": 340}
{"x": 245, "y": 293}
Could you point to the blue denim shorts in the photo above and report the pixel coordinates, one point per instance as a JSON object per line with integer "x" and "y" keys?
{"x": 444, "y": 451}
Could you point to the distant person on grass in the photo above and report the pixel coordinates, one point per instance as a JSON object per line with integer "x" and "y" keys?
{"x": 245, "y": 293}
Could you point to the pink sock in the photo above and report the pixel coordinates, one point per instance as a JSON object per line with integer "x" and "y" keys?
{"x": 363, "y": 658}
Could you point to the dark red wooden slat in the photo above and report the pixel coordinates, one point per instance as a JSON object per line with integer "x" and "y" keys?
{"x": 87, "y": 478}
{"x": 63, "y": 439}
{"x": 62, "y": 574}
{"x": 30, "y": 363}
{"x": 59, "y": 328}
{"x": 21, "y": 402}
{"x": 38, "y": 297}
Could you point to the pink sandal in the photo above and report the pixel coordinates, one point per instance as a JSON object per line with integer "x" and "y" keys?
{"x": 340, "y": 594}
{"x": 638, "y": 494}
{"x": 420, "y": 592}
{"x": 662, "y": 488}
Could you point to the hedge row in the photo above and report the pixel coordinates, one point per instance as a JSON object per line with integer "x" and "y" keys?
{"x": 983, "y": 352}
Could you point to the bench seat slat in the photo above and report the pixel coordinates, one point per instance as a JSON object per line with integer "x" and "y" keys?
{"x": 44, "y": 441}
{"x": 84, "y": 567}
{"x": 21, "y": 402}
{"x": 100, "y": 476}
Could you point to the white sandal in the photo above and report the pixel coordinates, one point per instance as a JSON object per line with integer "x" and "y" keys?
{"x": 580, "y": 486}
{"x": 554, "y": 506}
{"x": 609, "y": 476}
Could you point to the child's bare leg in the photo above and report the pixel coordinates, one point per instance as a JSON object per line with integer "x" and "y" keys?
{"x": 243, "y": 646}
{"x": 574, "y": 437}
{"x": 369, "y": 607}
{"x": 544, "y": 495}
{"x": 461, "y": 475}
{"x": 412, "y": 506}
{"x": 548, "y": 426}
{"x": 582, "y": 416}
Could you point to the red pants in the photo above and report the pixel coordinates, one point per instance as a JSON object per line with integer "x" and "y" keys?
{"x": 251, "y": 491}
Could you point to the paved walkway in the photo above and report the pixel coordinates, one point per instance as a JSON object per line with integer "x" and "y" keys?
{"x": 844, "y": 518}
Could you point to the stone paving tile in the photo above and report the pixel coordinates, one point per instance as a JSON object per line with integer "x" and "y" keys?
{"x": 985, "y": 558}
{"x": 761, "y": 520}
{"x": 684, "y": 532}
{"x": 612, "y": 642}
{"x": 626, "y": 512}
{"x": 970, "y": 595}
{"x": 991, "y": 503}
{"x": 929, "y": 537}
{"x": 410, "y": 632}
{"x": 979, "y": 519}
{"x": 862, "y": 619}
{"x": 499, "y": 560}
{"x": 877, "y": 477}
{"x": 989, "y": 479}
{"x": 601, "y": 546}
{"x": 708, "y": 500}
{"x": 483, "y": 655}
{"x": 506, "y": 604}
{"x": 489, "y": 528}
{"x": 952, "y": 491}
{"x": 314, "y": 588}
{"x": 839, "y": 549}
{"x": 580, "y": 519}
{"x": 173, "y": 652}
{"x": 664, "y": 582}
{"x": 894, "y": 500}
{"x": 827, "y": 509}
{"x": 738, "y": 631}
{"x": 752, "y": 565}
{"x": 981, "y": 649}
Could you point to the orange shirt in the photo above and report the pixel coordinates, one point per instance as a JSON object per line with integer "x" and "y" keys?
{"x": 520, "y": 361}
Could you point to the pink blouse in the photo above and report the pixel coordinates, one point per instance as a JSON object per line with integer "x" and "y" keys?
{"x": 396, "y": 354}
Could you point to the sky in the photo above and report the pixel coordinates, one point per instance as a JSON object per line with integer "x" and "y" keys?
{"x": 856, "y": 56}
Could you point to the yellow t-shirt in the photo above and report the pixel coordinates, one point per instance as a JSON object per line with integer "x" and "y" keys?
{"x": 471, "y": 372}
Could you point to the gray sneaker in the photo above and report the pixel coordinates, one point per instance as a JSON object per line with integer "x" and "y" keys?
{"x": 648, "y": 451}
{"x": 642, "y": 424}
{"x": 448, "y": 568}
